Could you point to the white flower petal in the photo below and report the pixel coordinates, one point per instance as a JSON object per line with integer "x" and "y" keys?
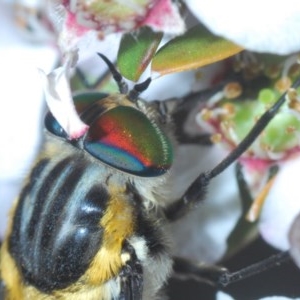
{"x": 81, "y": 22}
{"x": 165, "y": 17}
{"x": 209, "y": 225}
{"x": 22, "y": 106}
{"x": 294, "y": 238}
{"x": 258, "y": 25}
{"x": 282, "y": 205}
{"x": 223, "y": 296}
{"x": 60, "y": 101}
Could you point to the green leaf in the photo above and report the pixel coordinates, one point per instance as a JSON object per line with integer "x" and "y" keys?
{"x": 196, "y": 48}
{"x": 136, "y": 51}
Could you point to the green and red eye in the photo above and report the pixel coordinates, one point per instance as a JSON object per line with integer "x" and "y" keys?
{"x": 124, "y": 138}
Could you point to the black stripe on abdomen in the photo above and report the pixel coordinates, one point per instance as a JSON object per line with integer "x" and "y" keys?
{"x": 54, "y": 244}
{"x": 35, "y": 174}
{"x": 46, "y": 191}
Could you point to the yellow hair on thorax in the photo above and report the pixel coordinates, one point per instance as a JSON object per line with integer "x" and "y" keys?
{"x": 118, "y": 223}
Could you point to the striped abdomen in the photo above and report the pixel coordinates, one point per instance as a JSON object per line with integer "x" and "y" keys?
{"x": 57, "y": 227}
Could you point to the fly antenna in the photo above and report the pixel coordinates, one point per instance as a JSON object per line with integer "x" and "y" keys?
{"x": 123, "y": 87}
{"x": 138, "y": 88}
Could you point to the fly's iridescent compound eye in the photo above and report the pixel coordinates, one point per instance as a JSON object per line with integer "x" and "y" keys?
{"x": 121, "y": 137}
{"x": 124, "y": 138}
